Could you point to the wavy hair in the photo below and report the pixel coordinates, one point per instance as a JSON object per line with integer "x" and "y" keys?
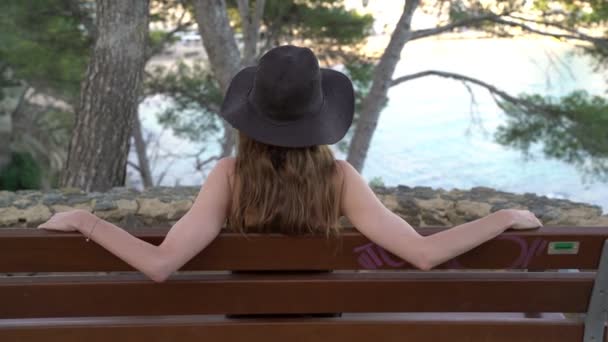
{"x": 284, "y": 190}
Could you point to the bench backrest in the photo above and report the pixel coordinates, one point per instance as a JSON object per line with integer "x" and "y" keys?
{"x": 280, "y": 274}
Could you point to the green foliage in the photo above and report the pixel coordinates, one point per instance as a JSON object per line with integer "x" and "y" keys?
{"x": 360, "y": 72}
{"x": 458, "y": 11}
{"x": 325, "y": 24}
{"x": 376, "y": 182}
{"x": 44, "y": 44}
{"x": 22, "y": 173}
{"x": 195, "y": 98}
{"x": 574, "y": 15}
{"x": 576, "y": 12}
{"x": 5, "y": 80}
{"x": 157, "y": 40}
{"x": 318, "y": 20}
{"x": 572, "y": 128}
{"x": 461, "y": 10}
{"x": 161, "y": 13}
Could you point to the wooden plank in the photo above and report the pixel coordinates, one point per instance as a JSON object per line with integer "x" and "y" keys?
{"x": 350, "y": 327}
{"x": 298, "y": 292}
{"x": 32, "y": 250}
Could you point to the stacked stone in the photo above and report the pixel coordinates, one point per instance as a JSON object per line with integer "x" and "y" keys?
{"x": 163, "y": 206}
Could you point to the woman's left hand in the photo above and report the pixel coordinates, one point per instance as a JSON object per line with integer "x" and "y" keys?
{"x": 66, "y": 221}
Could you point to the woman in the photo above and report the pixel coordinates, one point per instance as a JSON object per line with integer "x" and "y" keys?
{"x": 285, "y": 179}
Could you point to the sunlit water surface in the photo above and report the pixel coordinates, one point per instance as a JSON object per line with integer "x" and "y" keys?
{"x": 426, "y": 135}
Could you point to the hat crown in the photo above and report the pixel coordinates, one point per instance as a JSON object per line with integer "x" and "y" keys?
{"x": 287, "y": 84}
{"x": 287, "y": 100}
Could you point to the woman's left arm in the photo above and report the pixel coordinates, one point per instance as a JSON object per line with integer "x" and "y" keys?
{"x": 186, "y": 238}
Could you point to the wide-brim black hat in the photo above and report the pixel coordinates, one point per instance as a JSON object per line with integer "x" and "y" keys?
{"x": 287, "y": 100}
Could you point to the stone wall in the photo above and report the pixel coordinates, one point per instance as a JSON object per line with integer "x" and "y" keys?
{"x": 163, "y": 206}
{"x": 423, "y": 206}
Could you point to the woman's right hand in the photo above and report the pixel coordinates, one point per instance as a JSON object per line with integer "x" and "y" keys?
{"x": 522, "y": 219}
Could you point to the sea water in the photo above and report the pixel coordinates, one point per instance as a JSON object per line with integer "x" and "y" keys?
{"x": 430, "y": 134}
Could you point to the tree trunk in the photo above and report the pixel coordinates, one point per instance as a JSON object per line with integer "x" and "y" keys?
{"x": 223, "y": 53}
{"x": 373, "y": 103}
{"x": 142, "y": 157}
{"x": 221, "y": 47}
{"x": 251, "y": 29}
{"x": 6, "y": 129}
{"x": 218, "y": 40}
{"x": 11, "y": 100}
{"x": 141, "y": 148}
{"x": 99, "y": 147}
{"x": 6, "y": 132}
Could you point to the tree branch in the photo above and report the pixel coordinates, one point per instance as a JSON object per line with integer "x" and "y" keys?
{"x": 133, "y": 165}
{"x": 418, "y": 34}
{"x": 259, "y": 13}
{"x": 500, "y": 19}
{"x": 76, "y": 10}
{"x": 491, "y": 88}
{"x": 201, "y": 163}
{"x": 251, "y": 28}
{"x": 161, "y": 45}
{"x": 243, "y": 6}
{"x": 574, "y": 36}
{"x": 542, "y": 22}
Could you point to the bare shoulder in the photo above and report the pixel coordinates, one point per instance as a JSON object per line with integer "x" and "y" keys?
{"x": 227, "y": 160}
{"x": 348, "y": 177}
{"x": 347, "y": 169}
{"x": 357, "y": 194}
{"x": 226, "y": 164}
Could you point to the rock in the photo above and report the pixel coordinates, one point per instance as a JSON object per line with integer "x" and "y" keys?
{"x": 27, "y": 217}
{"x": 162, "y": 206}
{"x": 7, "y": 198}
{"x": 78, "y": 199}
{"x": 179, "y": 208}
{"x": 436, "y": 203}
{"x": 22, "y": 203}
{"x": 70, "y": 191}
{"x": 57, "y": 208}
{"x": 153, "y": 207}
{"x": 429, "y": 218}
{"x": 52, "y": 198}
{"x": 424, "y": 192}
{"x": 116, "y": 210}
{"x": 390, "y": 201}
{"x": 472, "y": 209}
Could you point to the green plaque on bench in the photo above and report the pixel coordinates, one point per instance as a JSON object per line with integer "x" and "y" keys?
{"x": 563, "y": 247}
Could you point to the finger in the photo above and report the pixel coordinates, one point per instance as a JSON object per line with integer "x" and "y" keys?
{"x": 50, "y": 225}
{"x": 535, "y": 221}
{"x": 46, "y": 224}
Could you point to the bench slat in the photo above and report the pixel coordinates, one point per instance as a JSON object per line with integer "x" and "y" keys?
{"x": 350, "y": 327}
{"x": 133, "y": 294}
{"x": 32, "y": 250}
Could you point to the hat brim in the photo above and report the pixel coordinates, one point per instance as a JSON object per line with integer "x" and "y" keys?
{"x": 328, "y": 126}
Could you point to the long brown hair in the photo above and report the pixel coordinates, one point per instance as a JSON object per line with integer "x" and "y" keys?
{"x": 284, "y": 190}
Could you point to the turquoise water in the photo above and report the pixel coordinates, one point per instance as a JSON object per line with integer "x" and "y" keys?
{"x": 426, "y": 135}
{"x": 422, "y": 137}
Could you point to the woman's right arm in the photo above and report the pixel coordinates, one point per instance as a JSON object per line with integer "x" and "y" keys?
{"x": 388, "y": 230}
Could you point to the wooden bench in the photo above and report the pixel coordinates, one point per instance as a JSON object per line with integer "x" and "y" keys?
{"x": 381, "y": 297}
